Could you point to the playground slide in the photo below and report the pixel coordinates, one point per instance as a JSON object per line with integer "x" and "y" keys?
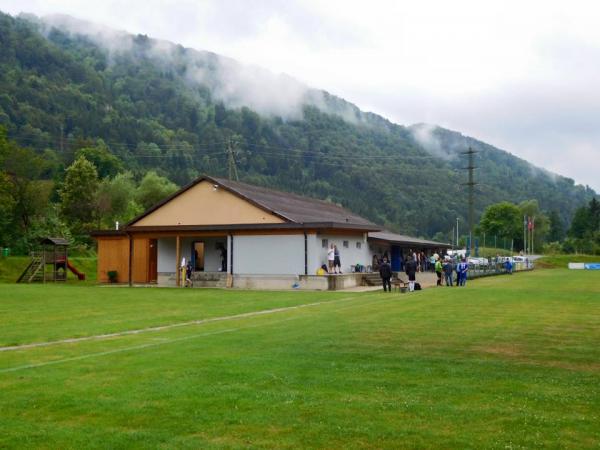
{"x": 72, "y": 268}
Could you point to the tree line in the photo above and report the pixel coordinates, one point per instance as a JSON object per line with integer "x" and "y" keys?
{"x": 94, "y": 193}
{"x": 513, "y": 222}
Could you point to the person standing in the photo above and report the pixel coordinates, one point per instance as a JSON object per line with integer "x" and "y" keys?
{"x": 438, "y": 270}
{"x": 462, "y": 269}
{"x": 223, "y": 252}
{"x": 385, "y": 272}
{"x": 508, "y": 266}
{"x": 330, "y": 258}
{"x": 337, "y": 264}
{"x": 447, "y": 267}
{"x": 375, "y": 263}
{"x": 457, "y": 271}
{"x": 411, "y": 271}
{"x": 188, "y": 275}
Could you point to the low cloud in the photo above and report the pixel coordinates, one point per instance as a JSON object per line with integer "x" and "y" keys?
{"x": 425, "y": 135}
{"x": 233, "y": 83}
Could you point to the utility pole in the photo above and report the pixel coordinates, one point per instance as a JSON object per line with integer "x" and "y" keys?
{"x": 231, "y": 166}
{"x": 457, "y": 232}
{"x": 471, "y": 185}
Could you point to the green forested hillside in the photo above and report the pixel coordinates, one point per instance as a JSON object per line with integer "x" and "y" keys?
{"x": 143, "y": 102}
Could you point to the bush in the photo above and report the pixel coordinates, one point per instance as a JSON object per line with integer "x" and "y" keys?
{"x": 113, "y": 276}
{"x": 552, "y": 248}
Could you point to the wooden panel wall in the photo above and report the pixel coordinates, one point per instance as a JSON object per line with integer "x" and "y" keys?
{"x": 113, "y": 254}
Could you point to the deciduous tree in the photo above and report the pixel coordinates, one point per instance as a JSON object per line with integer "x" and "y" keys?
{"x": 153, "y": 188}
{"x": 79, "y": 195}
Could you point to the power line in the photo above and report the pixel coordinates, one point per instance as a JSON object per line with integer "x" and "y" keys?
{"x": 288, "y": 149}
{"x": 277, "y": 151}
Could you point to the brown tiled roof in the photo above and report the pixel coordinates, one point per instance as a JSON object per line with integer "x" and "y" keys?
{"x": 292, "y": 207}
{"x": 408, "y": 240}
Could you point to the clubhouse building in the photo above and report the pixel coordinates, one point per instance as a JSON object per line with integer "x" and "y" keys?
{"x": 239, "y": 235}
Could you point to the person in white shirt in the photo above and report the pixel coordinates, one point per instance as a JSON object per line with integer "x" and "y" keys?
{"x": 330, "y": 257}
{"x": 337, "y": 264}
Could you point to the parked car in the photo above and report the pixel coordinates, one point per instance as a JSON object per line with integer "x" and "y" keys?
{"x": 478, "y": 261}
{"x": 503, "y": 259}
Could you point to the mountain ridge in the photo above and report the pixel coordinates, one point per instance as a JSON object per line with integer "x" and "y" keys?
{"x": 178, "y": 116}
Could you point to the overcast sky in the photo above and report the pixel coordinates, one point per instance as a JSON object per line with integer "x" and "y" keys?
{"x": 521, "y": 75}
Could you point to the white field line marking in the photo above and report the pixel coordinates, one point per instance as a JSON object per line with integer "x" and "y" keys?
{"x": 169, "y": 326}
{"x": 171, "y": 341}
{"x": 126, "y": 349}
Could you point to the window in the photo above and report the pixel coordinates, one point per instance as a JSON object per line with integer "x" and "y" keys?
{"x": 358, "y": 245}
{"x": 324, "y": 243}
{"x": 346, "y": 244}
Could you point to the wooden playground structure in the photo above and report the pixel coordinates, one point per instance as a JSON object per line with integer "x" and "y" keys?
{"x": 50, "y": 263}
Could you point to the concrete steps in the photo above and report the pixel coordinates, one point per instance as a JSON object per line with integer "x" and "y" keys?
{"x": 209, "y": 279}
{"x": 372, "y": 279}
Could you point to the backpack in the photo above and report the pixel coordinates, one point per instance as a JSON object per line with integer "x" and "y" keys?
{"x": 417, "y": 286}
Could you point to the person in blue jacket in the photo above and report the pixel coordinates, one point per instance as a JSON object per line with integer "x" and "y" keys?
{"x": 508, "y": 266}
{"x": 461, "y": 269}
{"x": 447, "y": 267}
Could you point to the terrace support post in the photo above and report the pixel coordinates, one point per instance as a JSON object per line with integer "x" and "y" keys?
{"x": 177, "y": 258}
{"x": 305, "y": 254}
{"x": 130, "y": 269}
{"x": 229, "y": 280}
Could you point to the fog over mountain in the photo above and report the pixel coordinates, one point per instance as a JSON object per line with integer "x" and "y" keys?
{"x": 158, "y": 105}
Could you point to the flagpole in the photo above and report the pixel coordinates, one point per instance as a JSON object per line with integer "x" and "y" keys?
{"x": 525, "y": 234}
{"x": 532, "y": 228}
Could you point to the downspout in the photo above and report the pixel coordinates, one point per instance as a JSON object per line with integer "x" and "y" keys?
{"x": 305, "y": 254}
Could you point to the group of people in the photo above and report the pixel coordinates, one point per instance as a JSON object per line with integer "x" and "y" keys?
{"x": 334, "y": 264}
{"x": 385, "y": 271}
{"x": 446, "y": 267}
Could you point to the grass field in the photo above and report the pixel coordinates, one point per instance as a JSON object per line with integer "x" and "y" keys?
{"x": 507, "y": 362}
{"x": 562, "y": 261}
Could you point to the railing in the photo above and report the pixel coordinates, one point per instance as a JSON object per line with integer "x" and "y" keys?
{"x": 496, "y": 268}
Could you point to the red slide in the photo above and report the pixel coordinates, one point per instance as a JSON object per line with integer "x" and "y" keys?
{"x": 72, "y": 268}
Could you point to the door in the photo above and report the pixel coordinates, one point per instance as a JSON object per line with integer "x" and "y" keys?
{"x": 198, "y": 256}
{"x": 152, "y": 261}
{"x": 395, "y": 258}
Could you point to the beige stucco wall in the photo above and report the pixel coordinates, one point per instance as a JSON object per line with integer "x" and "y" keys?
{"x": 203, "y": 205}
